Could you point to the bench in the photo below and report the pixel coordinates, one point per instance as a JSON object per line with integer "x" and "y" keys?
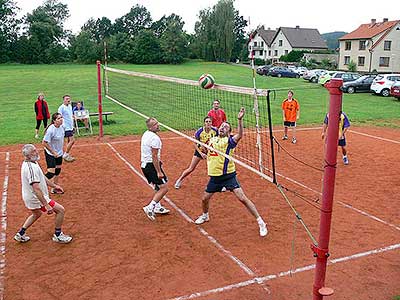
{"x": 104, "y": 113}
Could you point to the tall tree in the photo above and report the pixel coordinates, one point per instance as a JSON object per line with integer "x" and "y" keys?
{"x": 147, "y": 48}
{"x": 240, "y": 37}
{"x": 99, "y": 29}
{"x": 9, "y": 25}
{"x": 137, "y": 19}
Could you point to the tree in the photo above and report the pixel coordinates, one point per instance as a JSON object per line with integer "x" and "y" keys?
{"x": 147, "y": 48}
{"x": 99, "y": 29}
{"x": 9, "y": 26}
{"x": 133, "y": 22}
{"x": 240, "y": 42}
{"x": 352, "y": 66}
{"x": 84, "y": 49}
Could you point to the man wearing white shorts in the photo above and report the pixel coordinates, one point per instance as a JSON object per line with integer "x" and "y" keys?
{"x": 65, "y": 110}
{"x": 36, "y": 197}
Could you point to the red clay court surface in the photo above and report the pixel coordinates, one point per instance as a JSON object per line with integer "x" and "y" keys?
{"x": 117, "y": 253}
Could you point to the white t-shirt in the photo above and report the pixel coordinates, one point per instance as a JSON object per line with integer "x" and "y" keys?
{"x": 66, "y": 112}
{"x": 32, "y": 173}
{"x": 55, "y": 137}
{"x": 149, "y": 140}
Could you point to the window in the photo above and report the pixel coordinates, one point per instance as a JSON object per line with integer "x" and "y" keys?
{"x": 276, "y": 53}
{"x": 361, "y": 60}
{"x": 362, "y": 45}
{"x": 280, "y": 43}
{"x": 347, "y": 46}
{"x": 387, "y": 45}
{"x": 255, "y": 44}
{"x": 346, "y": 60}
{"x": 269, "y": 52}
{"x": 262, "y": 44}
{"x": 261, "y": 53}
{"x": 384, "y": 61}
{"x": 286, "y": 52}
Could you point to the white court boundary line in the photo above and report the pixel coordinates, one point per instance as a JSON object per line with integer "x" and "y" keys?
{"x": 266, "y": 278}
{"x": 214, "y": 241}
{"x": 4, "y": 224}
{"x": 375, "y": 137}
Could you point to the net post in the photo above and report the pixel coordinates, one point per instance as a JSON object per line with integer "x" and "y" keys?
{"x": 100, "y": 107}
{"x": 321, "y": 251}
{"x": 271, "y": 137}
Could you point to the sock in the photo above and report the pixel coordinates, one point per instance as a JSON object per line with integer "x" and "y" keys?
{"x": 152, "y": 204}
{"x": 22, "y": 231}
{"x": 57, "y": 232}
{"x": 260, "y": 221}
{"x": 344, "y": 156}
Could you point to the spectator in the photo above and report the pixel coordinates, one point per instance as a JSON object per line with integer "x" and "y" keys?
{"x": 42, "y": 113}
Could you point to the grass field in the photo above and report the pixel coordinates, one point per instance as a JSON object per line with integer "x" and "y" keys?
{"x": 21, "y": 83}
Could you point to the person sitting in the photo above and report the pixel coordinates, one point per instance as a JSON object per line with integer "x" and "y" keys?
{"x": 80, "y": 114}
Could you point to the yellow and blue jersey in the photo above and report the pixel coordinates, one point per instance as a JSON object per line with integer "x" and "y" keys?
{"x": 204, "y": 136}
{"x": 343, "y": 122}
{"x": 217, "y": 164}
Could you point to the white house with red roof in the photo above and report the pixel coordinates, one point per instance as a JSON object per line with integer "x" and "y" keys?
{"x": 372, "y": 46}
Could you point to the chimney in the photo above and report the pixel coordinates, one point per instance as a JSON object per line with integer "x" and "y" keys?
{"x": 385, "y": 20}
{"x": 297, "y": 27}
{"x": 373, "y": 21}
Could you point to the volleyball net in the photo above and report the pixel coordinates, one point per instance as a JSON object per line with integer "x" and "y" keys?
{"x": 180, "y": 106}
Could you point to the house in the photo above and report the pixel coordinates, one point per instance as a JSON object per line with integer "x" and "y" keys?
{"x": 286, "y": 39}
{"x": 261, "y": 43}
{"x": 374, "y": 46}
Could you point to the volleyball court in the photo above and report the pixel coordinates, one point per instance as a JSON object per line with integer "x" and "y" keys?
{"x": 117, "y": 252}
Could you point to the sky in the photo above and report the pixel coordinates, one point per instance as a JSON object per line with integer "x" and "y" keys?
{"x": 326, "y": 16}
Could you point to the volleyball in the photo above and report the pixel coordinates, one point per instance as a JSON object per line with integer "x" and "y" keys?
{"x": 206, "y": 81}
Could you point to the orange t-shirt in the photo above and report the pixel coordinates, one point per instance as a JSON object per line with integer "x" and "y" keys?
{"x": 290, "y": 108}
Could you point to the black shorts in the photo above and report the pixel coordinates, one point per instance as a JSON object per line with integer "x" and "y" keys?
{"x": 69, "y": 133}
{"x": 227, "y": 181}
{"x": 289, "y": 124}
{"x": 150, "y": 173}
{"x": 52, "y": 161}
{"x": 342, "y": 142}
{"x": 196, "y": 153}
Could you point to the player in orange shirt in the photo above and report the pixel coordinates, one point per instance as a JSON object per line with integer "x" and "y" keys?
{"x": 291, "y": 113}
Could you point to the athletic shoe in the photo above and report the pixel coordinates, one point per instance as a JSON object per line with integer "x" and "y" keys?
{"x": 68, "y": 158}
{"x": 178, "y": 184}
{"x": 56, "y": 191}
{"x": 21, "y": 238}
{"x": 284, "y": 137}
{"x": 345, "y": 160}
{"x": 202, "y": 219}
{"x": 62, "y": 238}
{"x": 149, "y": 213}
{"x": 294, "y": 141}
{"x": 263, "y": 229}
{"x": 159, "y": 209}
{"x": 36, "y": 136}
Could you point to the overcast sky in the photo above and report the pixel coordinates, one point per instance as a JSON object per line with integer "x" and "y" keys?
{"x": 344, "y": 15}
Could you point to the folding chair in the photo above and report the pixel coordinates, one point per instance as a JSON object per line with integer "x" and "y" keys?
{"x": 79, "y": 117}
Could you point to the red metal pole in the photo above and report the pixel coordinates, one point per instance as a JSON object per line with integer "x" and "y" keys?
{"x": 99, "y": 99}
{"x": 321, "y": 252}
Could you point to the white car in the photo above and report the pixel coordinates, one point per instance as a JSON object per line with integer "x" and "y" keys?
{"x": 382, "y": 83}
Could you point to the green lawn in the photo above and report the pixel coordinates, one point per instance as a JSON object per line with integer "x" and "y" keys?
{"x": 20, "y": 84}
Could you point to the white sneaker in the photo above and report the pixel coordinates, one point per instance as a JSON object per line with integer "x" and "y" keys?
{"x": 159, "y": 209}
{"x": 21, "y": 238}
{"x": 178, "y": 184}
{"x": 68, "y": 158}
{"x": 149, "y": 213}
{"x": 62, "y": 238}
{"x": 202, "y": 219}
{"x": 263, "y": 229}
{"x": 285, "y": 137}
{"x": 294, "y": 141}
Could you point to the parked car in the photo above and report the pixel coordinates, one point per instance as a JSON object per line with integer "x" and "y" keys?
{"x": 395, "y": 90}
{"x": 301, "y": 70}
{"x": 382, "y": 84}
{"x": 313, "y": 75}
{"x": 283, "y": 72}
{"x": 345, "y": 76}
{"x": 263, "y": 70}
{"x": 362, "y": 84}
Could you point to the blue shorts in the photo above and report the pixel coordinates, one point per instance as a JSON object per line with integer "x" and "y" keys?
{"x": 227, "y": 181}
{"x": 69, "y": 133}
{"x": 342, "y": 142}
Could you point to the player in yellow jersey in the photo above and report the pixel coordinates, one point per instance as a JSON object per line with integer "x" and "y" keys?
{"x": 203, "y": 134}
{"x": 222, "y": 172}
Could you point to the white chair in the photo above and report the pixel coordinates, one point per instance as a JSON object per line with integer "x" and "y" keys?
{"x": 79, "y": 117}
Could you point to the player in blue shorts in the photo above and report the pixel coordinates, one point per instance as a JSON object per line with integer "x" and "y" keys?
{"x": 222, "y": 172}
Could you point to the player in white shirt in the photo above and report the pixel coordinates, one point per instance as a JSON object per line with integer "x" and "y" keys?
{"x": 152, "y": 168}
{"x": 36, "y": 197}
{"x": 65, "y": 110}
